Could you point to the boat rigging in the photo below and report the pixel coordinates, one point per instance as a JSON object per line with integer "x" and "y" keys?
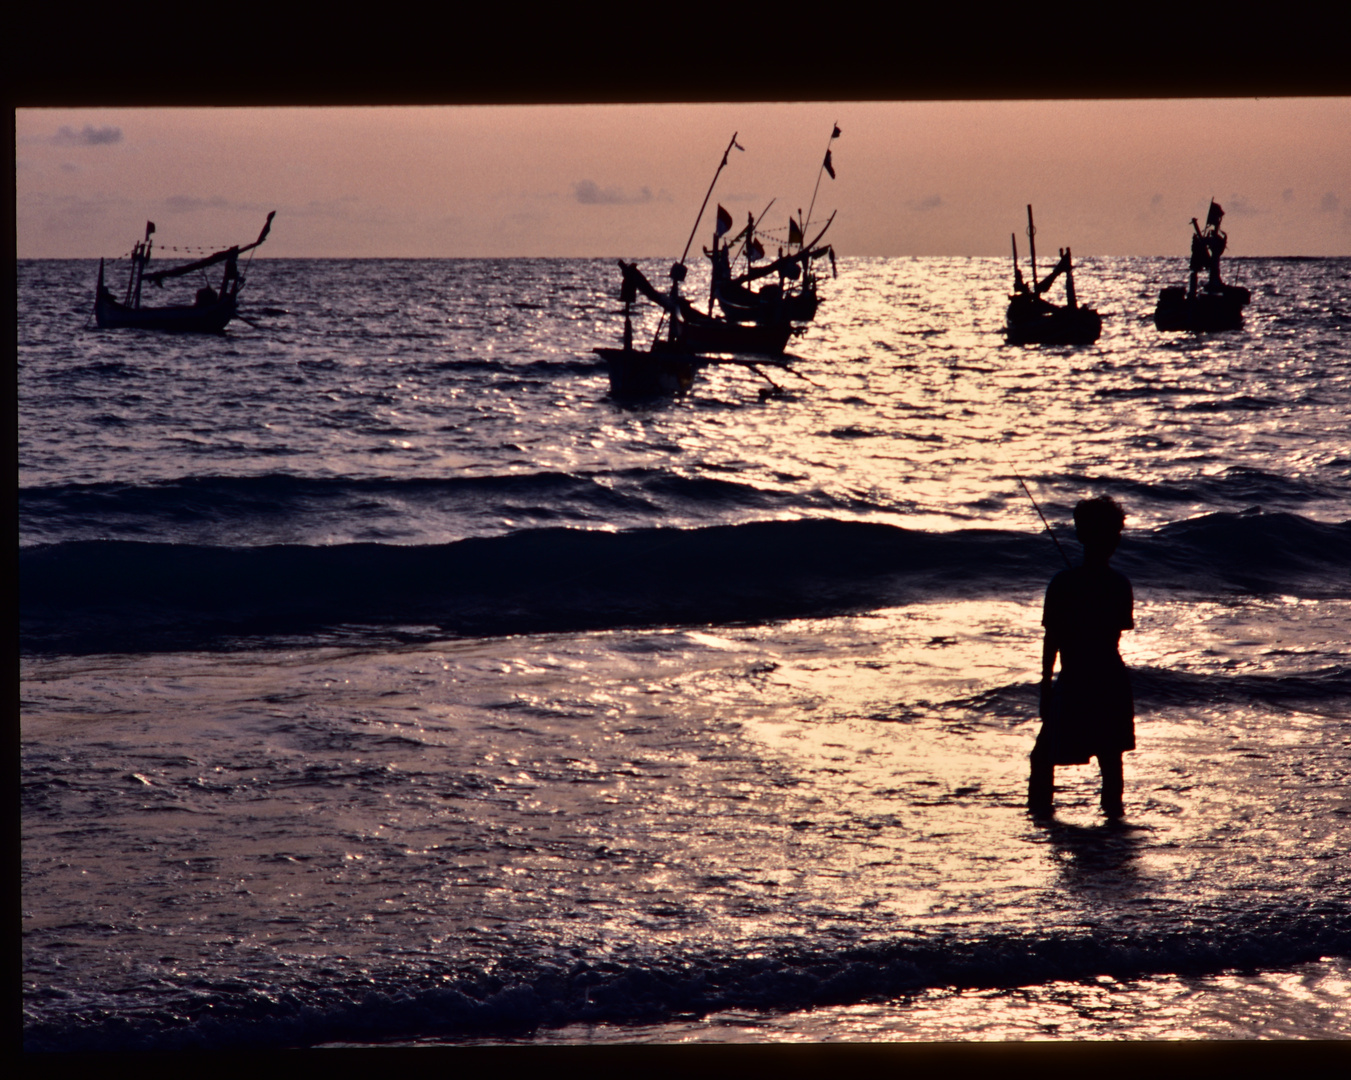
{"x": 1034, "y": 321}
{"x": 212, "y": 308}
{"x": 752, "y": 321}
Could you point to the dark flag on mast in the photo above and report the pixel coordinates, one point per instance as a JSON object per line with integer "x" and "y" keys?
{"x": 794, "y": 232}
{"x": 1213, "y": 218}
{"x": 724, "y": 222}
{"x": 835, "y": 133}
{"x": 830, "y": 168}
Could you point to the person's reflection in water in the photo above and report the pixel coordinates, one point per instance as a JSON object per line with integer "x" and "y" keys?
{"x": 1089, "y": 711}
{"x": 1100, "y": 860}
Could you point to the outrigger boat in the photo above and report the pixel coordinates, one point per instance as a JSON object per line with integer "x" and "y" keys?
{"x": 667, "y": 369}
{"x": 775, "y": 302}
{"x": 763, "y": 326}
{"x": 1215, "y": 305}
{"x": 209, "y": 313}
{"x": 779, "y": 302}
{"x": 1034, "y": 321}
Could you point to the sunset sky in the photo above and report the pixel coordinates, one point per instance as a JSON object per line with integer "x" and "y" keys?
{"x": 912, "y": 178}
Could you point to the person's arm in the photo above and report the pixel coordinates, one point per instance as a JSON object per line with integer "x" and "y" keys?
{"x": 1049, "y": 649}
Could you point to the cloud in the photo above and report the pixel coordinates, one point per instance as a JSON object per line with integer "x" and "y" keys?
{"x": 929, "y": 202}
{"x": 88, "y": 136}
{"x": 589, "y": 193}
{"x": 1156, "y": 201}
{"x": 1239, "y": 206}
{"x": 1288, "y": 195}
{"x": 186, "y": 204}
{"x": 1329, "y": 203}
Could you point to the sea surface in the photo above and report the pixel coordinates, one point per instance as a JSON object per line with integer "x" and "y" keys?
{"x": 384, "y": 681}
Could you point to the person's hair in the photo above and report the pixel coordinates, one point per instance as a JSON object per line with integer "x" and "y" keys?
{"x": 1099, "y": 521}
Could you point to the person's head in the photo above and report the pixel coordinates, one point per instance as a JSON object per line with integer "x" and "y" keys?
{"x": 1098, "y": 524}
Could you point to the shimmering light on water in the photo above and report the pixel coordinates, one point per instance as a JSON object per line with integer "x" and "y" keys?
{"x": 301, "y": 826}
{"x": 903, "y": 405}
{"x": 1310, "y": 1002}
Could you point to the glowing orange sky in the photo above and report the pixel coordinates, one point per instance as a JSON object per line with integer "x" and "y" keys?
{"x": 913, "y": 178}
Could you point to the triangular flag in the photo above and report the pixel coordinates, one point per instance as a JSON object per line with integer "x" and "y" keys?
{"x": 724, "y": 221}
{"x": 829, "y": 167}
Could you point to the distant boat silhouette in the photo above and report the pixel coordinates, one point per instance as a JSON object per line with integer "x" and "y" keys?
{"x": 753, "y": 322}
{"x": 1034, "y": 321}
{"x": 777, "y": 302}
{"x": 1215, "y": 305}
{"x": 211, "y": 311}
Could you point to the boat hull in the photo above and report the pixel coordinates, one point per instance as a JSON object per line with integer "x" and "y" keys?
{"x": 199, "y": 318}
{"x": 769, "y": 305}
{"x": 660, "y": 373}
{"x": 1208, "y": 310}
{"x": 700, "y": 333}
{"x": 1051, "y": 325}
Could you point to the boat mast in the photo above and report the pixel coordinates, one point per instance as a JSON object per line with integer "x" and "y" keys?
{"x": 721, "y": 165}
{"x": 144, "y": 258}
{"x": 834, "y": 134}
{"x": 131, "y": 275}
{"x": 1032, "y": 240}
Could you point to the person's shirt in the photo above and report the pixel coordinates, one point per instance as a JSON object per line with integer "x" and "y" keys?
{"x": 1086, "y": 609}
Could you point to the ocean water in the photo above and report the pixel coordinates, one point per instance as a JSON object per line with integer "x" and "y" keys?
{"x": 385, "y": 682}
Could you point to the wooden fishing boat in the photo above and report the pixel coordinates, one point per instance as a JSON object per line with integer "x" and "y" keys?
{"x": 1214, "y": 305}
{"x": 792, "y": 299}
{"x": 666, "y": 369}
{"x": 1030, "y": 320}
{"x": 695, "y": 338}
{"x": 211, "y": 310}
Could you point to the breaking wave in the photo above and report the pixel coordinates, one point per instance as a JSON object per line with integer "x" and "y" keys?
{"x": 102, "y": 595}
{"x": 515, "y": 999}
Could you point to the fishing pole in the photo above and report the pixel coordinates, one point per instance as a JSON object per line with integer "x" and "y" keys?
{"x": 1037, "y": 508}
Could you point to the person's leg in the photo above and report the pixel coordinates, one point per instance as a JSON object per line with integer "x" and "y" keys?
{"x": 1113, "y": 784}
{"x": 1041, "y": 785}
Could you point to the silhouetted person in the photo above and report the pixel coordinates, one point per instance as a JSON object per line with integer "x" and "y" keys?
{"x": 1207, "y": 247}
{"x": 1089, "y": 711}
{"x": 1200, "y": 259}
